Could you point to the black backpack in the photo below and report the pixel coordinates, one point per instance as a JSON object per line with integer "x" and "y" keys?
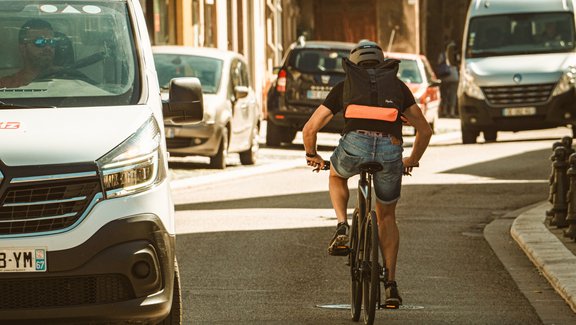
{"x": 372, "y": 93}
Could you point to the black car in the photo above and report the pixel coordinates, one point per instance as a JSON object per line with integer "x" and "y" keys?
{"x": 308, "y": 72}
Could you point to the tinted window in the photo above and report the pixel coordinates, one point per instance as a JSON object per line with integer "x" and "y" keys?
{"x": 520, "y": 34}
{"x": 317, "y": 60}
{"x": 208, "y": 70}
{"x": 83, "y": 54}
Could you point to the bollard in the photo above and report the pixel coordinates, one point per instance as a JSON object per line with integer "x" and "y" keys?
{"x": 571, "y": 197}
{"x": 567, "y": 143}
{"x": 551, "y": 180}
{"x": 560, "y": 188}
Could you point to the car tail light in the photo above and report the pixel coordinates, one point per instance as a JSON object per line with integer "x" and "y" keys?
{"x": 281, "y": 83}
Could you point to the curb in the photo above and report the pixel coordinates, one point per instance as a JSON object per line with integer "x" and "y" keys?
{"x": 549, "y": 255}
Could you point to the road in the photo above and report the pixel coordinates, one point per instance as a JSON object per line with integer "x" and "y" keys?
{"x": 252, "y": 247}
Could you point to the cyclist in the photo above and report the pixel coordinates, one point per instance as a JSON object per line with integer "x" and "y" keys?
{"x": 366, "y": 140}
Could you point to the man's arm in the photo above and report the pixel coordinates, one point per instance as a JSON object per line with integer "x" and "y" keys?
{"x": 321, "y": 116}
{"x": 423, "y": 134}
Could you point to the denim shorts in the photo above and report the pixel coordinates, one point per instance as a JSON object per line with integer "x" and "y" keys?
{"x": 355, "y": 149}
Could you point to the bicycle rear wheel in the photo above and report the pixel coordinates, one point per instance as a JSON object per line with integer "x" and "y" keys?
{"x": 355, "y": 273}
{"x": 371, "y": 268}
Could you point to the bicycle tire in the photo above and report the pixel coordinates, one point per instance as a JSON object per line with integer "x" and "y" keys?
{"x": 355, "y": 272}
{"x": 370, "y": 276}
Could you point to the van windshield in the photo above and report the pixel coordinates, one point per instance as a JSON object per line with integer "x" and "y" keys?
{"x": 520, "y": 34}
{"x": 67, "y": 54}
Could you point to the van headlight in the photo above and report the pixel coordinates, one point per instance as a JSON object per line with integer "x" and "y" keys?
{"x": 566, "y": 83}
{"x": 470, "y": 88}
{"x": 133, "y": 166}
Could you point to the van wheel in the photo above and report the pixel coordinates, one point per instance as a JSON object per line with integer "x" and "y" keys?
{"x": 490, "y": 135}
{"x": 468, "y": 135}
{"x": 218, "y": 161}
{"x": 175, "y": 316}
{"x": 249, "y": 156}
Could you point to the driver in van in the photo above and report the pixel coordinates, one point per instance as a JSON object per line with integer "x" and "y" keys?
{"x": 550, "y": 33}
{"x": 37, "y": 49}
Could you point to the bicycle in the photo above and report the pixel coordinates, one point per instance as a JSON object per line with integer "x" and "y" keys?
{"x": 367, "y": 266}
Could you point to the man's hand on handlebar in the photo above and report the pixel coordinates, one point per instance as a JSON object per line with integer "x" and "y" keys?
{"x": 408, "y": 166}
{"x": 316, "y": 162}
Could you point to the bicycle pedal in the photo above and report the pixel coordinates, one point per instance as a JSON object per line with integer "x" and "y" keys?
{"x": 393, "y": 305}
{"x": 339, "y": 250}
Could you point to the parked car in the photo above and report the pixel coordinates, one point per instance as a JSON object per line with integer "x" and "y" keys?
{"x": 232, "y": 115}
{"x": 415, "y": 71}
{"x": 308, "y": 72}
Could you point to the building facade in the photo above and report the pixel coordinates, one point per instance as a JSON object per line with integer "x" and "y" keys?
{"x": 262, "y": 30}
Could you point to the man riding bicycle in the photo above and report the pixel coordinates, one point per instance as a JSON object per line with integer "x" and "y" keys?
{"x": 369, "y": 136}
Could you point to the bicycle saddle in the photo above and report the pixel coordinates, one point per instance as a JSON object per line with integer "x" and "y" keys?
{"x": 371, "y": 167}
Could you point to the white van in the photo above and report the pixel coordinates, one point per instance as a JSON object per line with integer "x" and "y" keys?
{"x": 86, "y": 218}
{"x": 518, "y": 67}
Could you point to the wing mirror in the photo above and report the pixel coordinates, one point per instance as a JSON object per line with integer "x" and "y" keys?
{"x": 185, "y": 103}
{"x": 241, "y": 91}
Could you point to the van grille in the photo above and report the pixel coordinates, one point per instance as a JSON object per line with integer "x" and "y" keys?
{"x": 64, "y": 291}
{"x": 518, "y": 95}
{"x": 45, "y": 206}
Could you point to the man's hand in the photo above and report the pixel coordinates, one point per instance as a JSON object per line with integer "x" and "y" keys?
{"x": 316, "y": 162}
{"x": 409, "y": 164}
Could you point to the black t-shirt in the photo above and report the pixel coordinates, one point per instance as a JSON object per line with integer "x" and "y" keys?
{"x": 334, "y": 102}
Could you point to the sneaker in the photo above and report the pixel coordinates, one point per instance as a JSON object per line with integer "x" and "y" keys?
{"x": 393, "y": 299}
{"x": 340, "y": 239}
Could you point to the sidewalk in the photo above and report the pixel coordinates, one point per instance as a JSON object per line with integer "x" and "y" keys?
{"x": 552, "y": 253}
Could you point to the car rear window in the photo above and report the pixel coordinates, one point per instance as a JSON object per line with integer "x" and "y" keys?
{"x": 318, "y": 60}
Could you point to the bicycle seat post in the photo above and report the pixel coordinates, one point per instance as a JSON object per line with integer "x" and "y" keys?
{"x": 367, "y": 170}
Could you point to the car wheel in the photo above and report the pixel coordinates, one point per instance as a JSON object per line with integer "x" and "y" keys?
{"x": 273, "y": 134}
{"x": 468, "y": 135}
{"x": 290, "y": 135}
{"x": 218, "y": 161}
{"x": 248, "y": 157}
{"x": 175, "y": 316}
{"x": 490, "y": 135}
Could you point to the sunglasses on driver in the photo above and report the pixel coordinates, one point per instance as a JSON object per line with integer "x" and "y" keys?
{"x": 43, "y": 41}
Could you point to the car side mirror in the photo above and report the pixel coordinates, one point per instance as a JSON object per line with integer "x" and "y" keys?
{"x": 185, "y": 103}
{"x": 241, "y": 92}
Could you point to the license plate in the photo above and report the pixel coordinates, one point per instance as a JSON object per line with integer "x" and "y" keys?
{"x": 23, "y": 260}
{"x": 519, "y": 111}
{"x": 170, "y": 132}
{"x": 317, "y": 94}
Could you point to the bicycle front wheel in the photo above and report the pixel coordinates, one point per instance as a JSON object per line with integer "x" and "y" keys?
{"x": 371, "y": 268}
{"x": 355, "y": 272}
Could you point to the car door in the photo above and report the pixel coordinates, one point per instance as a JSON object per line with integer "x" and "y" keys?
{"x": 242, "y": 107}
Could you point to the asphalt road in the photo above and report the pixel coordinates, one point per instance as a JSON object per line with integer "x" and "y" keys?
{"x": 252, "y": 247}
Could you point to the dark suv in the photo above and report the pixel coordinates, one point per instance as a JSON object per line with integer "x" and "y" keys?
{"x": 308, "y": 72}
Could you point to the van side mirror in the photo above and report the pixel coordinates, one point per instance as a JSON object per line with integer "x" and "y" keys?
{"x": 185, "y": 103}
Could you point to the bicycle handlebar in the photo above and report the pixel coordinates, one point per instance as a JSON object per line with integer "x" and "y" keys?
{"x": 327, "y": 167}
